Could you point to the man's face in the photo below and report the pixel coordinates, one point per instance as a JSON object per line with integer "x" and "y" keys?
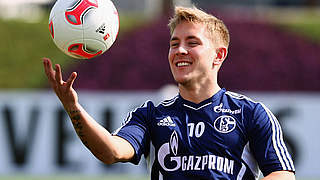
{"x": 191, "y": 54}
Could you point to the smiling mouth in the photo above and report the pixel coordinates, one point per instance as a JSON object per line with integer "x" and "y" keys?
{"x": 183, "y": 64}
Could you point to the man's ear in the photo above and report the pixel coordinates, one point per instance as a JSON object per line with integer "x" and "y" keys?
{"x": 221, "y": 54}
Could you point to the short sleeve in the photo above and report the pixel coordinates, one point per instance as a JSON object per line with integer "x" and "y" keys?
{"x": 266, "y": 142}
{"x": 135, "y": 130}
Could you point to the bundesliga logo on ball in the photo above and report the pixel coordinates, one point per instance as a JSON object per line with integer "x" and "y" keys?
{"x": 84, "y": 29}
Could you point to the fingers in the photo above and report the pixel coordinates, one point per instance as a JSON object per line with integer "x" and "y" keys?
{"x": 46, "y": 65}
{"x": 55, "y": 76}
{"x": 49, "y": 70}
{"x": 58, "y": 74}
{"x": 71, "y": 79}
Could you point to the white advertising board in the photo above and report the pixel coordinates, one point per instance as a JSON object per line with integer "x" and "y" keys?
{"x": 36, "y": 136}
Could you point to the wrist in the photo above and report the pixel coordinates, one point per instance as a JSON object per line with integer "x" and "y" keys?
{"x": 72, "y": 107}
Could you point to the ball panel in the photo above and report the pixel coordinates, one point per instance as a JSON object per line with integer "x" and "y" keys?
{"x": 75, "y": 15}
{"x": 80, "y": 50}
{"x": 61, "y": 6}
{"x": 64, "y": 34}
{"x": 51, "y": 29}
{"x": 94, "y": 46}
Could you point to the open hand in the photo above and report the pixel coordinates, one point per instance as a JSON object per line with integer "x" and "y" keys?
{"x": 63, "y": 89}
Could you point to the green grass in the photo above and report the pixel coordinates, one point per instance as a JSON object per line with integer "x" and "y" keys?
{"x": 309, "y": 28}
{"x": 23, "y": 45}
{"x": 301, "y": 21}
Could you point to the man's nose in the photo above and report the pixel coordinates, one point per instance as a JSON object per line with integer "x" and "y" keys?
{"x": 182, "y": 50}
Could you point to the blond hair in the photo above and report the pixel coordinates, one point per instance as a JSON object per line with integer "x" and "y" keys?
{"x": 214, "y": 25}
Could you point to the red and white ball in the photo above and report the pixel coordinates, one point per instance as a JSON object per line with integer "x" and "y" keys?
{"x": 84, "y": 29}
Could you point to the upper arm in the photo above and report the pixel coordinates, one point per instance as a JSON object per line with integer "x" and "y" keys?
{"x": 134, "y": 133}
{"x": 124, "y": 150}
{"x": 280, "y": 175}
{"x": 267, "y": 144}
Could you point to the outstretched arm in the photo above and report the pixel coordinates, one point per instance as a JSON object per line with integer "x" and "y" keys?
{"x": 109, "y": 149}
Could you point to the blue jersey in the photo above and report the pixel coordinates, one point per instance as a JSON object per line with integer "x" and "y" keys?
{"x": 227, "y": 136}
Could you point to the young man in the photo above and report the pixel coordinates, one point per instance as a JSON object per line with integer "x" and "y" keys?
{"x": 205, "y": 132}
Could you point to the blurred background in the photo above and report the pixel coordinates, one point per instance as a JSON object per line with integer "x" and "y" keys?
{"x": 274, "y": 57}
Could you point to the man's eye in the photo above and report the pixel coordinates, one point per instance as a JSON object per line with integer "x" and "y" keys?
{"x": 193, "y": 43}
{"x": 174, "y": 44}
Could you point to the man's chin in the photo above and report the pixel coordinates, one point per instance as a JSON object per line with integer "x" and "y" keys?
{"x": 183, "y": 82}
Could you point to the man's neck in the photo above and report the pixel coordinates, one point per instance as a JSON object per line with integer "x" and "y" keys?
{"x": 197, "y": 94}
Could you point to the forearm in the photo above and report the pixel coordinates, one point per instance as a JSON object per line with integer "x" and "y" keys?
{"x": 96, "y": 138}
{"x": 280, "y": 175}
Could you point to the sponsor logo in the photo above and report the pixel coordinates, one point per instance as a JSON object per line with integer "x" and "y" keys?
{"x": 219, "y": 109}
{"x": 106, "y": 36}
{"x": 170, "y": 161}
{"x": 225, "y": 124}
{"x": 101, "y": 29}
{"x": 167, "y": 121}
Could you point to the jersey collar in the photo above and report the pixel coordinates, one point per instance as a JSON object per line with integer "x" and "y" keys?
{"x": 205, "y": 103}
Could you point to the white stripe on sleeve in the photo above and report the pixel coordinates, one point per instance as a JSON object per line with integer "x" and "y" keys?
{"x": 278, "y": 143}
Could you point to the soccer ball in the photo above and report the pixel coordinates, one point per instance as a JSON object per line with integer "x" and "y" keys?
{"x": 84, "y": 29}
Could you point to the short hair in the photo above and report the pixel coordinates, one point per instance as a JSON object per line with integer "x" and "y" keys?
{"x": 214, "y": 25}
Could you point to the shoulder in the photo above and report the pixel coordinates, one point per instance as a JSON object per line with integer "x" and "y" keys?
{"x": 245, "y": 102}
{"x": 140, "y": 112}
{"x": 148, "y": 108}
{"x": 238, "y": 96}
{"x": 168, "y": 102}
{"x": 239, "y": 99}
{"x": 147, "y": 105}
